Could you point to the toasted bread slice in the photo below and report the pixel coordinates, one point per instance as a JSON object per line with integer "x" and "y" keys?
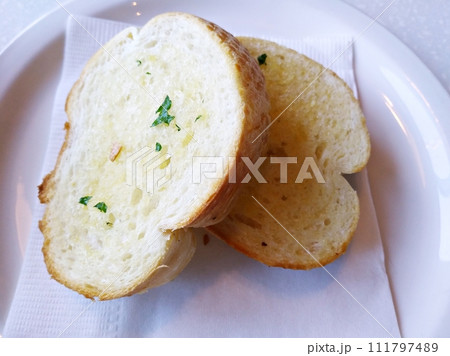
{"x": 325, "y": 123}
{"x": 145, "y": 105}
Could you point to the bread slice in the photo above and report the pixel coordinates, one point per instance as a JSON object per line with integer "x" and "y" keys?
{"x": 144, "y": 106}
{"x": 325, "y": 123}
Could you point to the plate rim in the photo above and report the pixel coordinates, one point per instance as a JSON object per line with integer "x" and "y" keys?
{"x": 343, "y": 7}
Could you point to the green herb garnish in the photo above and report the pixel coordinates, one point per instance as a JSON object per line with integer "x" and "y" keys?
{"x": 139, "y": 62}
{"x": 178, "y": 127}
{"x": 158, "y": 147}
{"x": 101, "y": 206}
{"x": 85, "y": 200}
{"x": 197, "y": 118}
{"x": 148, "y": 73}
{"x": 262, "y": 59}
{"x": 163, "y": 111}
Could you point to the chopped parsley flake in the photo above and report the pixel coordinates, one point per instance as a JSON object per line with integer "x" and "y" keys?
{"x": 178, "y": 127}
{"x": 139, "y": 62}
{"x": 262, "y": 59}
{"x": 84, "y": 200}
{"x": 197, "y": 118}
{"x": 101, "y": 206}
{"x": 163, "y": 111}
{"x": 158, "y": 147}
{"x": 148, "y": 73}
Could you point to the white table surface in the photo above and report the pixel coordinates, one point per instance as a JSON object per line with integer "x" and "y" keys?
{"x": 423, "y": 25}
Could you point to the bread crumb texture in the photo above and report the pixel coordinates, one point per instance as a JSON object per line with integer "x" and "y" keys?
{"x": 325, "y": 123}
{"x": 111, "y": 109}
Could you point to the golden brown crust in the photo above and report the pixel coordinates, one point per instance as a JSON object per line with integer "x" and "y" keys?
{"x": 227, "y": 233}
{"x": 46, "y": 187}
{"x": 43, "y": 188}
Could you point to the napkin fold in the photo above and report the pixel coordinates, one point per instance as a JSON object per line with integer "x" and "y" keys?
{"x": 221, "y": 293}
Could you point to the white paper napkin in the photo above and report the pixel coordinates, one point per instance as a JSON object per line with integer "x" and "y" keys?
{"x": 221, "y": 293}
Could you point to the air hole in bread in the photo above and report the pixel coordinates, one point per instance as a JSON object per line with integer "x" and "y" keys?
{"x": 136, "y": 196}
{"x": 126, "y": 256}
{"x": 299, "y": 252}
{"x": 150, "y": 44}
{"x": 146, "y": 210}
{"x": 319, "y": 150}
{"x": 314, "y": 246}
{"x": 111, "y": 218}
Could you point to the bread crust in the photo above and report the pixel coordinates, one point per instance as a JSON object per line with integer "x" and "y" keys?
{"x": 181, "y": 246}
{"x": 179, "y": 251}
{"x": 227, "y": 233}
{"x": 255, "y": 117}
{"x": 248, "y": 228}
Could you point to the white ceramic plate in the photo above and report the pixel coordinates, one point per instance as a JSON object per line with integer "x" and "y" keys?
{"x": 407, "y": 110}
